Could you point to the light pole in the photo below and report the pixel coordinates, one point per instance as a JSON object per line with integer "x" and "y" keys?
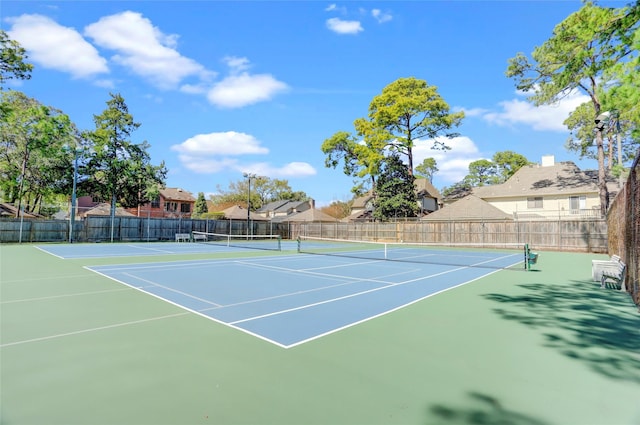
{"x": 611, "y": 119}
{"x": 73, "y": 195}
{"x": 249, "y": 176}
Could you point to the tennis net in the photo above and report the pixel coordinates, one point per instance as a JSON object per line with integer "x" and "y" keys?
{"x": 268, "y": 242}
{"x": 502, "y": 256}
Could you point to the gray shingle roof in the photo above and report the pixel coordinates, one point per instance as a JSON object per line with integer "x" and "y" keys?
{"x": 469, "y": 208}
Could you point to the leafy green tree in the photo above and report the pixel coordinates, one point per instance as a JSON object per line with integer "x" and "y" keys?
{"x": 482, "y": 172}
{"x": 360, "y": 154}
{"x": 575, "y": 58}
{"x": 507, "y": 163}
{"x": 427, "y": 169}
{"x": 12, "y": 60}
{"x": 395, "y": 191}
{"x": 201, "y": 205}
{"x": 263, "y": 191}
{"x": 409, "y": 109}
{"x": 120, "y": 170}
{"x": 33, "y": 161}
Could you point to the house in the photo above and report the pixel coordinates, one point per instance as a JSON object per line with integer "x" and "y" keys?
{"x": 237, "y": 212}
{"x": 362, "y": 208}
{"x": 171, "y": 203}
{"x": 289, "y": 208}
{"x": 309, "y": 215}
{"x": 469, "y": 208}
{"x": 547, "y": 190}
{"x": 11, "y": 211}
{"x": 104, "y": 209}
{"x": 268, "y": 210}
{"x": 429, "y": 197}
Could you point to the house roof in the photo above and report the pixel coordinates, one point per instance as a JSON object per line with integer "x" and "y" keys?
{"x": 105, "y": 209}
{"x": 272, "y": 206}
{"x": 536, "y": 180}
{"x": 424, "y": 188}
{"x": 361, "y": 201}
{"x": 237, "y": 212}
{"x": 311, "y": 214}
{"x": 290, "y": 205}
{"x": 177, "y": 194}
{"x": 8, "y": 210}
{"x": 468, "y": 208}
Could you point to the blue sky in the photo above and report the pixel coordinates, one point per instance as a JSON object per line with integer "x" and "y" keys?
{"x": 227, "y": 87}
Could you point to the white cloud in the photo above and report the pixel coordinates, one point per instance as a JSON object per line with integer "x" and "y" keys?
{"x": 381, "y": 16}
{"x": 292, "y": 169}
{"x": 217, "y": 152}
{"x": 220, "y": 144}
{"x": 53, "y": 46}
{"x": 340, "y": 26}
{"x": 236, "y": 64}
{"x": 144, "y": 49}
{"x": 453, "y": 164}
{"x": 543, "y": 118}
{"x": 236, "y": 91}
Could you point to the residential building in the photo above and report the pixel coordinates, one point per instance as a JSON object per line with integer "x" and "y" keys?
{"x": 171, "y": 203}
{"x": 546, "y": 190}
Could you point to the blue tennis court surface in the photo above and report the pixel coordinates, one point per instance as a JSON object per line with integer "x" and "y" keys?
{"x": 105, "y": 250}
{"x": 290, "y": 300}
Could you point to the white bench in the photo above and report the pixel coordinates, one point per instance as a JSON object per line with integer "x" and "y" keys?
{"x": 183, "y": 237}
{"x": 199, "y": 237}
{"x": 616, "y": 275}
{"x": 599, "y": 266}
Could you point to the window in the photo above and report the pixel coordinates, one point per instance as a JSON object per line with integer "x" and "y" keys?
{"x": 534, "y": 202}
{"x": 185, "y": 208}
{"x": 155, "y": 203}
{"x": 170, "y": 206}
{"x": 577, "y": 203}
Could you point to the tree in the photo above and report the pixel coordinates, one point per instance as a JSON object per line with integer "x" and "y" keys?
{"x": 338, "y": 209}
{"x": 201, "y": 205}
{"x": 263, "y": 191}
{"x": 120, "y": 170}
{"x": 12, "y": 60}
{"x": 361, "y": 159}
{"x": 407, "y": 110}
{"x": 427, "y": 169}
{"x": 33, "y": 161}
{"x": 507, "y": 163}
{"x": 575, "y": 58}
{"x": 395, "y": 191}
{"x": 482, "y": 172}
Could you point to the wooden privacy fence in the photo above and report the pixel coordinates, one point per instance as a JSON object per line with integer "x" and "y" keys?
{"x": 99, "y": 229}
{"x": 574, "y": 235}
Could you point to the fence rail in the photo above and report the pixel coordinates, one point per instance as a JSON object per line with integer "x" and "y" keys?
{"x": 589, "y": 235}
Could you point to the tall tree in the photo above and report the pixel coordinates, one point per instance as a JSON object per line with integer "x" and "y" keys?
{"x": 575, "y": 58}
{"x": 12, "y": 60}
{"x": 395, "y": 191}
{"x": 482, "y": 172}
{"x": 360, "y": 154}
{"x": 409, "y": 109}
{"x": 120, "y": 170}
{"x": 33, "y": 162}
{"x": 507, "y": 163}
{"x": 201, "y": 205}
{"x": 427, "y": 169}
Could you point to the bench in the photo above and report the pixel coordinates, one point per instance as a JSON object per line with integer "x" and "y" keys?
{"x": 199, "y": 237}
{"x": 183, "y": 237}
{"x": 616, "y": 275}
{"x": 598, "y": 266}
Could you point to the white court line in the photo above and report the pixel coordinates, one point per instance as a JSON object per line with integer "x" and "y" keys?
{"x": 154, "y": 284}
{"x": 82, "y": 331}
{"x": 53, "y": 297}
{"x": 358, "y": 293}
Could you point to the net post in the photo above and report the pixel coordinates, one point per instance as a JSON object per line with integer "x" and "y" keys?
{"x": 298, "y": 241}
{"x": 526, "y": 256}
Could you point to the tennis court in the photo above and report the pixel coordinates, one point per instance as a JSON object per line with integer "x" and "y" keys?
{"x": 94, "y": 335}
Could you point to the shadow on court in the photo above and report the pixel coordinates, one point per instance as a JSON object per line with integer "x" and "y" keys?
{"x": 597, "y": 327}
{"x": 482, "y": 409}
